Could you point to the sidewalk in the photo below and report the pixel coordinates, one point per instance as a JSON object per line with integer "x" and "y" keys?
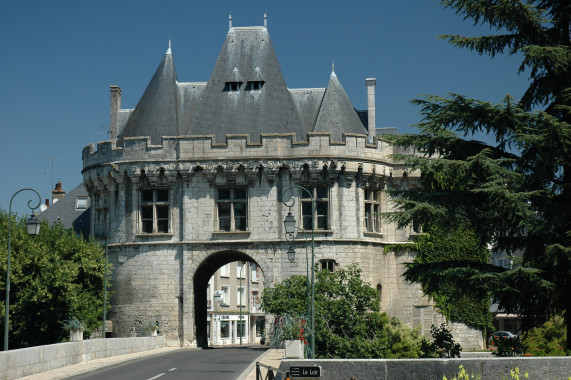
{"x": 272, "y": 357}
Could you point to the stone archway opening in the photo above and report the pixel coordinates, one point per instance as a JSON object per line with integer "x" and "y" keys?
{"x": 227, "y": 291}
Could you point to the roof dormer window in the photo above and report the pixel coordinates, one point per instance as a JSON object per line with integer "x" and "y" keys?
{"x": 232, "y": 86}
{"x": 234, "y": 82}
{"x": 255, "y": 85}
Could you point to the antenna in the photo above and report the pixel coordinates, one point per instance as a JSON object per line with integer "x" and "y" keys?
{"x": 53, "y": 159}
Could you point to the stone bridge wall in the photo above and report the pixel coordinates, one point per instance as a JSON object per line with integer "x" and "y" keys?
{"x": 29, "y": 361}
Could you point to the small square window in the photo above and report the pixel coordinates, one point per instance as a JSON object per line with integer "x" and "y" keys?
{"x": 81, "y": 203}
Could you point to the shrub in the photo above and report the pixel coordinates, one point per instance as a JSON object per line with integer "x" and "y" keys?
{"x": 506, "y": 347}
{"x": 548, "y": 339}
{"x": 442, "y": 346}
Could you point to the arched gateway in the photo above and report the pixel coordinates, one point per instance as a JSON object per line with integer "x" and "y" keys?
{"x": 194, "y": 176}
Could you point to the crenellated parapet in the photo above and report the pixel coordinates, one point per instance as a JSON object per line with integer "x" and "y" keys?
{"x": 239, "y": 160}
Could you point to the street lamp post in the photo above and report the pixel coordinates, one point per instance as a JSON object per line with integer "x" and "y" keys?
{"x": 33, "y": 228}
{"x": 122, "y": 240}
{"x": 290, "y": 227}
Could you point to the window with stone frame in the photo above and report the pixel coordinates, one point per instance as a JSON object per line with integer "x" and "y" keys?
{"x": 232, "y": 208}
{"x": 319, "y": 219}
{"x": 373, "y": 210}
{"x": 154, "y": 208}
{"x": 101, "y": 213}
{"x": 328, "y": 264}
{"x": 240, "y": 296}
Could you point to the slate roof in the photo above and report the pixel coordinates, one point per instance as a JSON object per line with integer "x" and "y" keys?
{"x": 337, "y": 114}
{"x": 170, "y": 108}
{"x": 65, "y": 212}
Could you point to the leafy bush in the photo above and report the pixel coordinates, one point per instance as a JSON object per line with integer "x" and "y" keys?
{"x": 443, "y": 346}
{"x": 348, "y": 321}
{"x": 506, "y": 347}
{"x": 289, "y": 327}
{"x": 547, "y": 340}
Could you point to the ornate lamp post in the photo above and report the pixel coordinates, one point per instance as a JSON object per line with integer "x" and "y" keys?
{"x": 33, "y": 228}
{"x": 122, "y": 239}
{"x": 290, "y": 228}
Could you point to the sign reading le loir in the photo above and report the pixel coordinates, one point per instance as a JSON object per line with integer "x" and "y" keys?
{"x": 305, "y": 371}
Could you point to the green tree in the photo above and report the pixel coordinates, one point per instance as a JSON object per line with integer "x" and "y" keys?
{"x": 348, "y": 321}
{"x": 55, "y": 276}
{"x": 438, "y": 246}
{"x": 514, "y": 191}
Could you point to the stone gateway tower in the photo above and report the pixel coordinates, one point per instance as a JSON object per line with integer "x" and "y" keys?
{"x": 194, "y": 176}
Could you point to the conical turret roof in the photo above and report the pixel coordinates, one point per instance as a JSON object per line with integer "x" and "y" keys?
{"x": 224, "y": 110}
{"x": 336, "y": 114}
{"x": 156, "y": 114}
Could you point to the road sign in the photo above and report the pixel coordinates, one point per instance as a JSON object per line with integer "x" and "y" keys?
{"x": 305, "y": 371}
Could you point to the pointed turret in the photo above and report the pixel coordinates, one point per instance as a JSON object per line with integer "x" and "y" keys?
{"x": 156, "y": 114}
{"x": 336, "y": 114}
{"x": 246, "y": 92}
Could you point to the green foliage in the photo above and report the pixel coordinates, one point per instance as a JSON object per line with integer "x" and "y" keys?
{"x": 442, "y": 346}
{"x": 151, "y": 326}
{"x": 54, "y": 275}
{"x": 289, "y": 327}
{"x": 507, "y": 347}
{"x": 514, "y": 189}
{"x": 348, "y": 321}
{"x": 437, "y": 248}
{"x": 548, "y": 339}
{"x": 73, "y": 324}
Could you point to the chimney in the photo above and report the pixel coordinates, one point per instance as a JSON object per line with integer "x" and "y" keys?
{"x": 57, "y": 193}
{"x": 47, "y": 202}
{"x": 115, "y": 107}
{"x": 371, "y": 83}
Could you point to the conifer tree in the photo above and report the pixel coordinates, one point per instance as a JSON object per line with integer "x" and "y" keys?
{"x": 514, "y": 192}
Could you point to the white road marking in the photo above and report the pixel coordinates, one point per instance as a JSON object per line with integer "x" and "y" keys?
{"x": 156, "y": 377}
{"x": 172, "y": 369}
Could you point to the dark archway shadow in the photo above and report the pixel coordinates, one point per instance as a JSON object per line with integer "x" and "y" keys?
{"x": 203, "y": 273}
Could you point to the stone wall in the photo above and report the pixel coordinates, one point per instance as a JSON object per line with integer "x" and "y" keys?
{"x": 544, "y": 368}
{"x": 28, "y": 361}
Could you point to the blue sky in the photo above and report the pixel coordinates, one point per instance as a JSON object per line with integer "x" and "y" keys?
{"x": 60, "y": 57}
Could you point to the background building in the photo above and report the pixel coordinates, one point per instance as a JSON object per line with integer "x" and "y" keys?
{"x": 234, "y": 295}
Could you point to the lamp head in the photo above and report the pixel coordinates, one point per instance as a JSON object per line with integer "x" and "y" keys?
{"x": 291, "y": 254}
{"x": 289, "y": 224}
{"x": 33, "y": 226}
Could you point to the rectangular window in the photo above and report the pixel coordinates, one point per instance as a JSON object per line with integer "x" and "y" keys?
{"x": 240, "y": 296}
{"x": 81, "y": 203}
{"x": 154, "y": 204}
{"x": 240, "y": 327}
{"x": 255, "y": 301}
{"x": 373, "y": 210}
{"x": 254, "y": 274}
{"x": 232, "y": 207}
{"x": 241, "y": 269}
{"x": 320, "y": 218}
{"x": 225, "y": 295}
{"x": 224, "y": 270}
{"x": 225, "y": 329}
{"x": 260, "y": 324}
{"x": 328, "y": 265}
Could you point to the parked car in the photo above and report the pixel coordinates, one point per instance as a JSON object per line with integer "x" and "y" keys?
{"x": 502, "y": 334}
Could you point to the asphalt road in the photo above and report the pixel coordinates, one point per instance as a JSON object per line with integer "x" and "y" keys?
{"x": 208, "y": 364}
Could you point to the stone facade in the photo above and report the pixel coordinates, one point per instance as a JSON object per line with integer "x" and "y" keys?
{"x": 192, "y": 203}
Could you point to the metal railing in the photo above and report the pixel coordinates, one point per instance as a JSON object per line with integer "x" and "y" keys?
{"x": 271, "y": 373}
